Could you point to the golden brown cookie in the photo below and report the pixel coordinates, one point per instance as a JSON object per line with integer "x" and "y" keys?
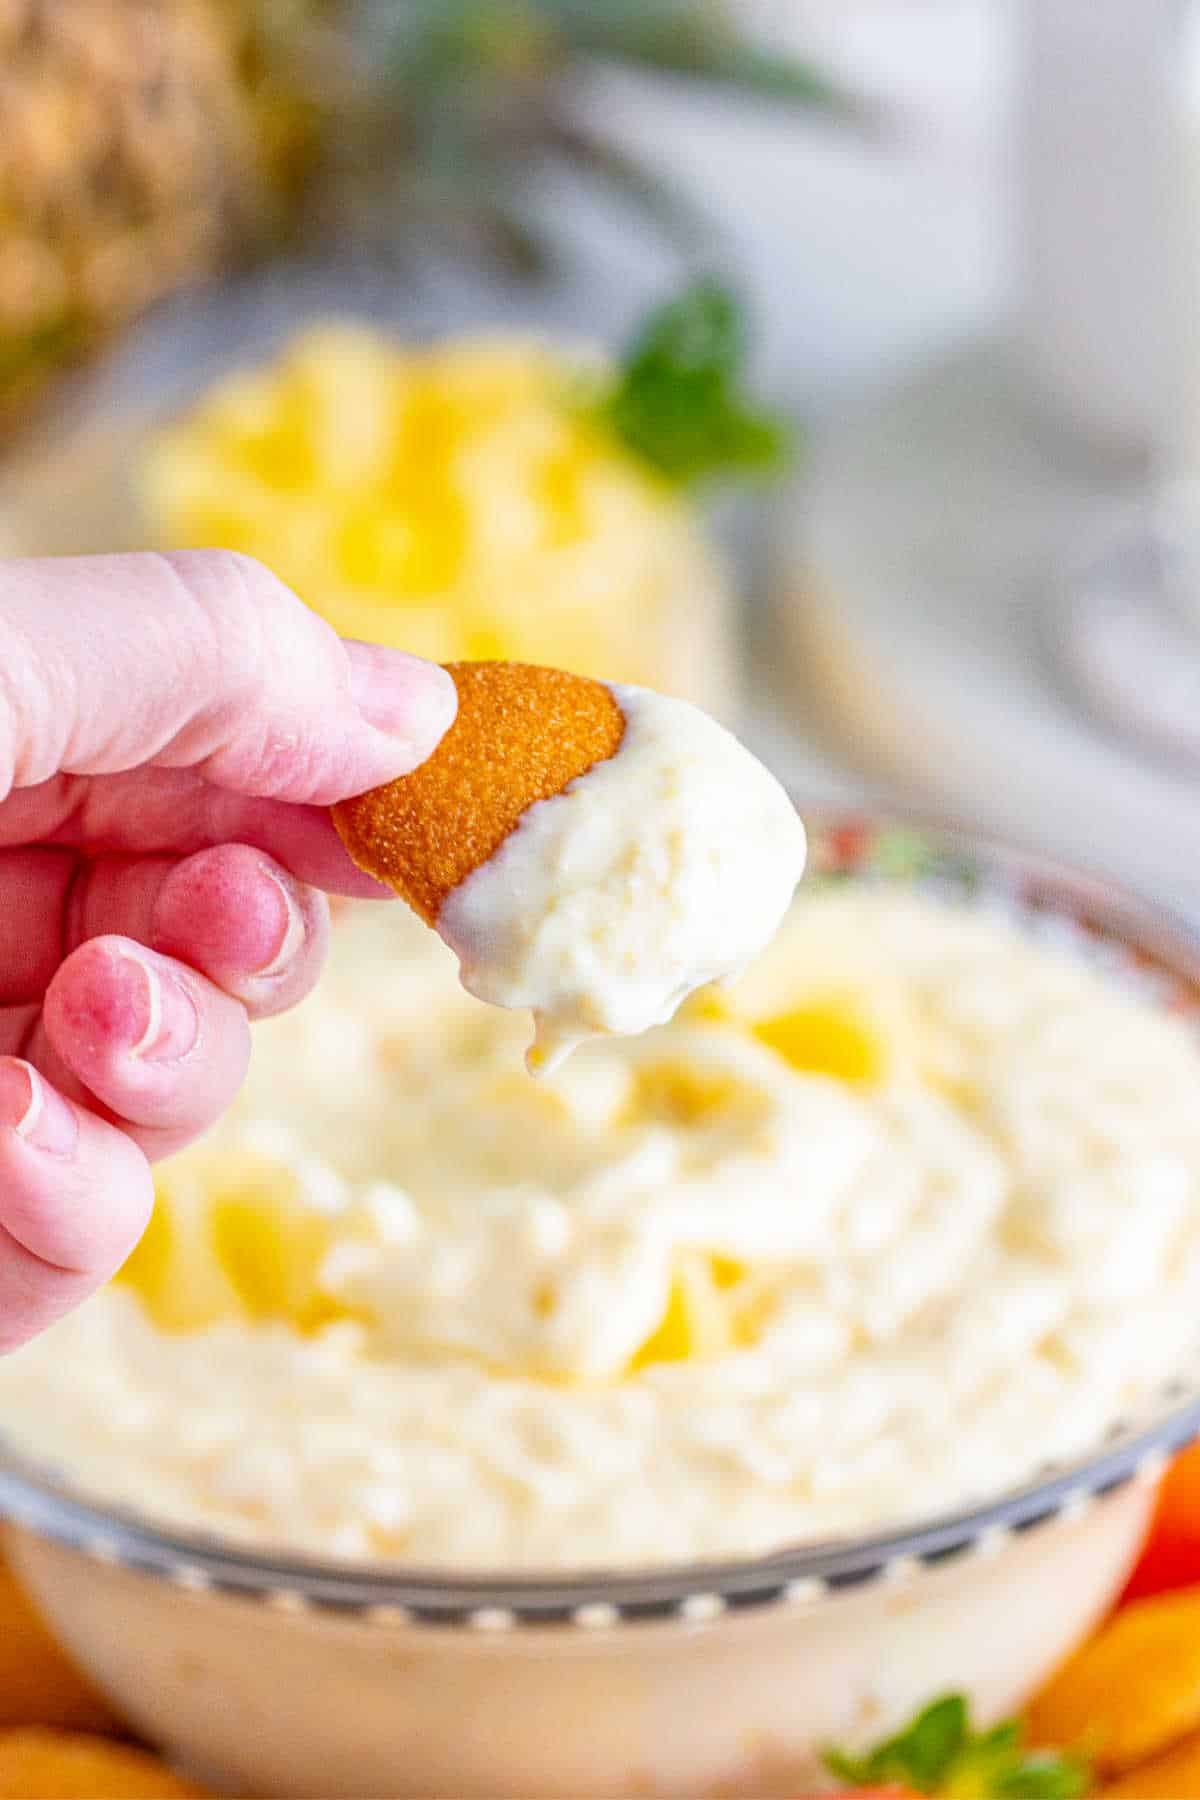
{"x": 64, "y": 1765}
{"x": 521, "y": 735}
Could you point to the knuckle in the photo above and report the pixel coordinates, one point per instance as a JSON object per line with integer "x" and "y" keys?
{"x": 35, "y": 699}
{"x": 269, "y": 641}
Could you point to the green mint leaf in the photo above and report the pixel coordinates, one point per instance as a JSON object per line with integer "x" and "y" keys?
{"x": 939, "y": 1754}
{"x": 919, "y": 1756}
{"x": 676, "y": 401}
{"x": 993, "y": 1749}
{"x": 851, "y": 1771}
{"x": 702, "y": 332}
{"x": 1045, "y": 1775}
{"x": 926, "y": 1752}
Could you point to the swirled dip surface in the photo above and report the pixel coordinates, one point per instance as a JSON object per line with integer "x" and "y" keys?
{"x": 664, "y": 867}
{"x": 913, "y": 1209}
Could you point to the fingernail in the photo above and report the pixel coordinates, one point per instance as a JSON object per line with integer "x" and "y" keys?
{"x": 164, "y": 1011}
{"x": 403, "y": 696}
{"x": 291, "y": 929}
{"x": 34, "y": 1110}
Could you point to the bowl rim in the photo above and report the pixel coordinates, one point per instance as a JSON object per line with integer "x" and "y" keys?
{"x": 36, "y": 1499}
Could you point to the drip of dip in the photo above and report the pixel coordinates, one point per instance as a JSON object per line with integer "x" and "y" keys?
{"x": 665, "y": 867}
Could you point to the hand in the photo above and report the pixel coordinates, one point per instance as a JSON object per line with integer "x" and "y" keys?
{"x": 172, "y": 730}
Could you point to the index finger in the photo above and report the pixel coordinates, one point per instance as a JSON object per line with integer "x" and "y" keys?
{"x": 202, "y": 660}
{"x": 175, "y": 812}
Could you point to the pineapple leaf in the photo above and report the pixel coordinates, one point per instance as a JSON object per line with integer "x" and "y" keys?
{"x": 695, "y": 38}
{"x": 436, "y": 43}
{"x": 700, "y": 41}
{"x": 676, "y": 402}
{"x": 651, "y": 194}
{"x": 450, "y": 87}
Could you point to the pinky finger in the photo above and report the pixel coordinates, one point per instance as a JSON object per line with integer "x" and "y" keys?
{"x": 75, "y": 1195}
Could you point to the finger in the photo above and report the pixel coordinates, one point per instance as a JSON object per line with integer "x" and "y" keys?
{"x": 244, "y": 922}
{"x": 161, "y": 1048}
{"x": 230, "y": 912}
{"x": 17, "y": 1026}
{"x": 201, "y": 660}
{"x": 75, "y": 1195}
{"x": 34, "y": 890}
{"x": 175, "y": 811}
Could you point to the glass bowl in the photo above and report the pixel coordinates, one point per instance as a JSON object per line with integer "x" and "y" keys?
{"x": 280, "y": 1675}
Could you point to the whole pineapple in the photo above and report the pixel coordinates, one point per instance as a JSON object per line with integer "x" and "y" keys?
{"x": 128, "y": 165}
{"x": 144, "y": 143}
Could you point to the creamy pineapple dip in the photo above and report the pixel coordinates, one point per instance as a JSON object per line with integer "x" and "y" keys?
{"x": 911, "y": 1209}
{"x": 667, "y": 865}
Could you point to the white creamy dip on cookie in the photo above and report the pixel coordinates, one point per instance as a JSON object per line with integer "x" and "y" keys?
{"x": 912, "y": 1209}
{"x": 663, "y": 868}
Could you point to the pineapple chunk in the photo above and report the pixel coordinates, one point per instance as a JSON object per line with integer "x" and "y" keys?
{"x": 453, "y": 500}
{"x": 406, "y": 552}
{"x": 683, "y": 1096}
{"x": 828, "y": 1037}
{"x": 231, "y": 1237}
{"x": 341, "y": 386}
{"x": 707, "y": 1006}
{"x": 851, "y": 1036}
{"x": 173, "y": 1270}
{"x": 269, "y": 1243}
{"x": 697, "y": 1323}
